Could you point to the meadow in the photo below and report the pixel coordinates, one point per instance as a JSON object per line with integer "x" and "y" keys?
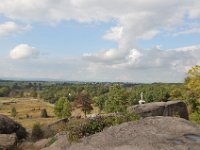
{"x": 28, "y": 111}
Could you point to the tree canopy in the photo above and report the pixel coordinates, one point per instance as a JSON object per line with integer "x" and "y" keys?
{"x": 62, "y": 108}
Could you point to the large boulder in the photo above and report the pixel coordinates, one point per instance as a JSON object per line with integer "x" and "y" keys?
{"x": 8, "y": 141}
{"x": 8, "y": 126}
{"x": 152, "y": 133}
{"x": 170, "y": 108}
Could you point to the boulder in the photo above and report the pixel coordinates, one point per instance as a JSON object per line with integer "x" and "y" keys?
{"x": 8, "y": 141}
{"x": 170, "y": 108}
{"x": 151, "y": 133}
{"x": 8, "y": 126}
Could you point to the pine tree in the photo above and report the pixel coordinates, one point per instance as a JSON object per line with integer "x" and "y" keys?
{"x": 13, "y": 112}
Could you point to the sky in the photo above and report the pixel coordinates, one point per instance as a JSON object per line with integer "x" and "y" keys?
{"x": 141, "y": 41}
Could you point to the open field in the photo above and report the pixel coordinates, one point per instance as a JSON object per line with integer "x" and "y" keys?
{"x": 28, "y": 111}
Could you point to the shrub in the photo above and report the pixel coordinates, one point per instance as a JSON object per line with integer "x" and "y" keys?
{"x": 37, "y": 132}
{"x": 78, "y": 129}
{"x": 195, "y": 116}
{"x": 27, "y": 116}
{"x": 44, "y": 113}
{"x": 13, "y": 112}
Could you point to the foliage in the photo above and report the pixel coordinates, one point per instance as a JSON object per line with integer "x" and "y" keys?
{"x": 84, "y": 102}
{"x": 81, "y": 128}
{"x": 100, "y": 101}
{"x": 192, "y": 83}
{"x": 66, "y": 112}
{"x": 37, "y": 132}
{"x": 195, "y": 116}
{"x": 44, "y": 113}
{"x": 62, "y": 108}
{"x": 13, "y": 112}
{"x": 116, "y": 99}
{"x": 4, "y": 91}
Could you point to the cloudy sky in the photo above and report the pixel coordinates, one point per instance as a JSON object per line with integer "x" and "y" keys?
{"x": 99, "y": 40}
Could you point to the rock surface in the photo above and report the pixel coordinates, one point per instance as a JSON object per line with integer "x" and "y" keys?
{"x": 7, "y": 141}
{"x": 60, "y": 144}
{"x": 170, "y": 108}
{"x": 152, "y": 133}
{"x": 8, "y": 126}
{"x": 34, "y": 146}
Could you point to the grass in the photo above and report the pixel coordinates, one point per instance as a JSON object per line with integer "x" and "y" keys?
{"x": 28, "y": 111}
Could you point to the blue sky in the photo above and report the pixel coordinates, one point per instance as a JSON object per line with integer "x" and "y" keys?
{"x": 91, "y": 40}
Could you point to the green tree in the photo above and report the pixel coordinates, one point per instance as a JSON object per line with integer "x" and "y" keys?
{"x": 84, "y": 102}
{"x": 117, "y": 99}
{"x": 13, "y": 112}
{"x": 100, "y": 102}
{"x": 192, "y": 83}
{"x": 66, "y": 111}
{"x": 44, "y": 113}
{"x": 62, "y": 108}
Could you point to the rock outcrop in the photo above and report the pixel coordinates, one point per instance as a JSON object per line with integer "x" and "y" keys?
{"x": 170, "y": 108}
{"x": 151, "y": 133}
{"x": 8, "y": 141}
{"x": 8, "y": 126}
{"x": 60, "y": 144}
{"x": 35, "y": 146}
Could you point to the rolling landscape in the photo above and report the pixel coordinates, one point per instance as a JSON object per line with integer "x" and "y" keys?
{"x": 99, "y": 75}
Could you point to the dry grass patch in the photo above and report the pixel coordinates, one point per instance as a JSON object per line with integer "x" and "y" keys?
{"x": 28, "y": 111}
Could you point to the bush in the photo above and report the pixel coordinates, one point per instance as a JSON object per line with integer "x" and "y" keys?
{"x": 13, "y": 112}
{"x": 78, "y": 129}
{"x": 37, "y": 132}
{"x": 195, "y": 116}
{"x": 44, "y": 113}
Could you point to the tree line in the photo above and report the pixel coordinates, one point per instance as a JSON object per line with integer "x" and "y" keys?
{"x": 108, "y": 97}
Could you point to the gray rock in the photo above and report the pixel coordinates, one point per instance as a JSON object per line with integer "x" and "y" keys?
{"x": 8, "y": 126}
{"x": 170, "y": 108}
{"x": 152, "y": 133}
{"x": 8, "y": 141}
{"x": 60, "y": 143}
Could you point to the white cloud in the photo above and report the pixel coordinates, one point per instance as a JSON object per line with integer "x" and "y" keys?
{"x": 194, "y": 11}
{"x": 149, "y": 35}
{"x": 135, "y": 20}
{"x": 147, "y": 65}
{"x": 11, "y": 28}
{"x": 23, "y": 51}
{"x": 137, "y": 65}
{"x": 115, "y": 33}
{"x": 190, "y": 31}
